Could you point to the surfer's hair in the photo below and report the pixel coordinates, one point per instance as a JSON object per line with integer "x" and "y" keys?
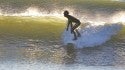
{"x": 66, "y": 12}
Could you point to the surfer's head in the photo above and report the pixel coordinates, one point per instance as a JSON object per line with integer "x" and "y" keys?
{"x": 66, "y": 13}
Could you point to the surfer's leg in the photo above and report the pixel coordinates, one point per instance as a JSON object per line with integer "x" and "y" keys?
{"x": 75, "y": 26}
{"x": 75, "y": 37}
{"x": 75, "y": 29}
{"x": 71, "y": 28}
{"x": 79, "y": 35}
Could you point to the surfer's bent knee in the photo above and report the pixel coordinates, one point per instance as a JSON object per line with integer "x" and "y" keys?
{"x": 76, "y": 26}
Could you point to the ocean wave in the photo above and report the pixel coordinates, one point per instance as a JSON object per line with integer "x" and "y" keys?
{"x": 92, "y": 35}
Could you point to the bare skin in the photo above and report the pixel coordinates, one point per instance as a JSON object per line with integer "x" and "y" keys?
{"x": 74, "y": 27}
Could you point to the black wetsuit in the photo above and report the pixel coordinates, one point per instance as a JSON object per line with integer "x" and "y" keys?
{"x": 73, "y": 19}
{"x": 73, "y": 27}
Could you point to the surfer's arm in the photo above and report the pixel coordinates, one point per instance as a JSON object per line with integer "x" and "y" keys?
{"x": 69, "y": 22}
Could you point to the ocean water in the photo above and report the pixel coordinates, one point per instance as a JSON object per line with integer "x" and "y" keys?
{"x": 33, "y": 35}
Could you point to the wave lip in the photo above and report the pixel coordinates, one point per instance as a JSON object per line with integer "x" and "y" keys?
{"x": 92, "y": 35}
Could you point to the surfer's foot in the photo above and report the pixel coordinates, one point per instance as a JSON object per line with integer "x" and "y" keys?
{"x": 75, "y": 39}
{"x": 71, "y": 32}
{"x": 79, "y": 35}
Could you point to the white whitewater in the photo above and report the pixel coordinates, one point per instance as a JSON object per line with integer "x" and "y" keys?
{"x": 92, "y": 35}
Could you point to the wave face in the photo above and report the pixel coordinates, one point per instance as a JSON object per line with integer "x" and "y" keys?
{"x": 39, "y": 29}
{"x": 92, "y": 35}
{"x": 49, "y": 29}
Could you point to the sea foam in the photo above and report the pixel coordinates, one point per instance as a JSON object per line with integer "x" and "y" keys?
{"x": 92, "y": 35}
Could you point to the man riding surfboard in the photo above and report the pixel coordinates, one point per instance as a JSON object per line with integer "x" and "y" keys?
{"x": 74, "y": 27}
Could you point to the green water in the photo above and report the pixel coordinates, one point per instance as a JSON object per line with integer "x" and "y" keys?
{"x": 32, "y": 27}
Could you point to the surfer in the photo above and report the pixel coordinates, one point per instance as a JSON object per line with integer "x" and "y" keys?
{"x": 73, "y": 27}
